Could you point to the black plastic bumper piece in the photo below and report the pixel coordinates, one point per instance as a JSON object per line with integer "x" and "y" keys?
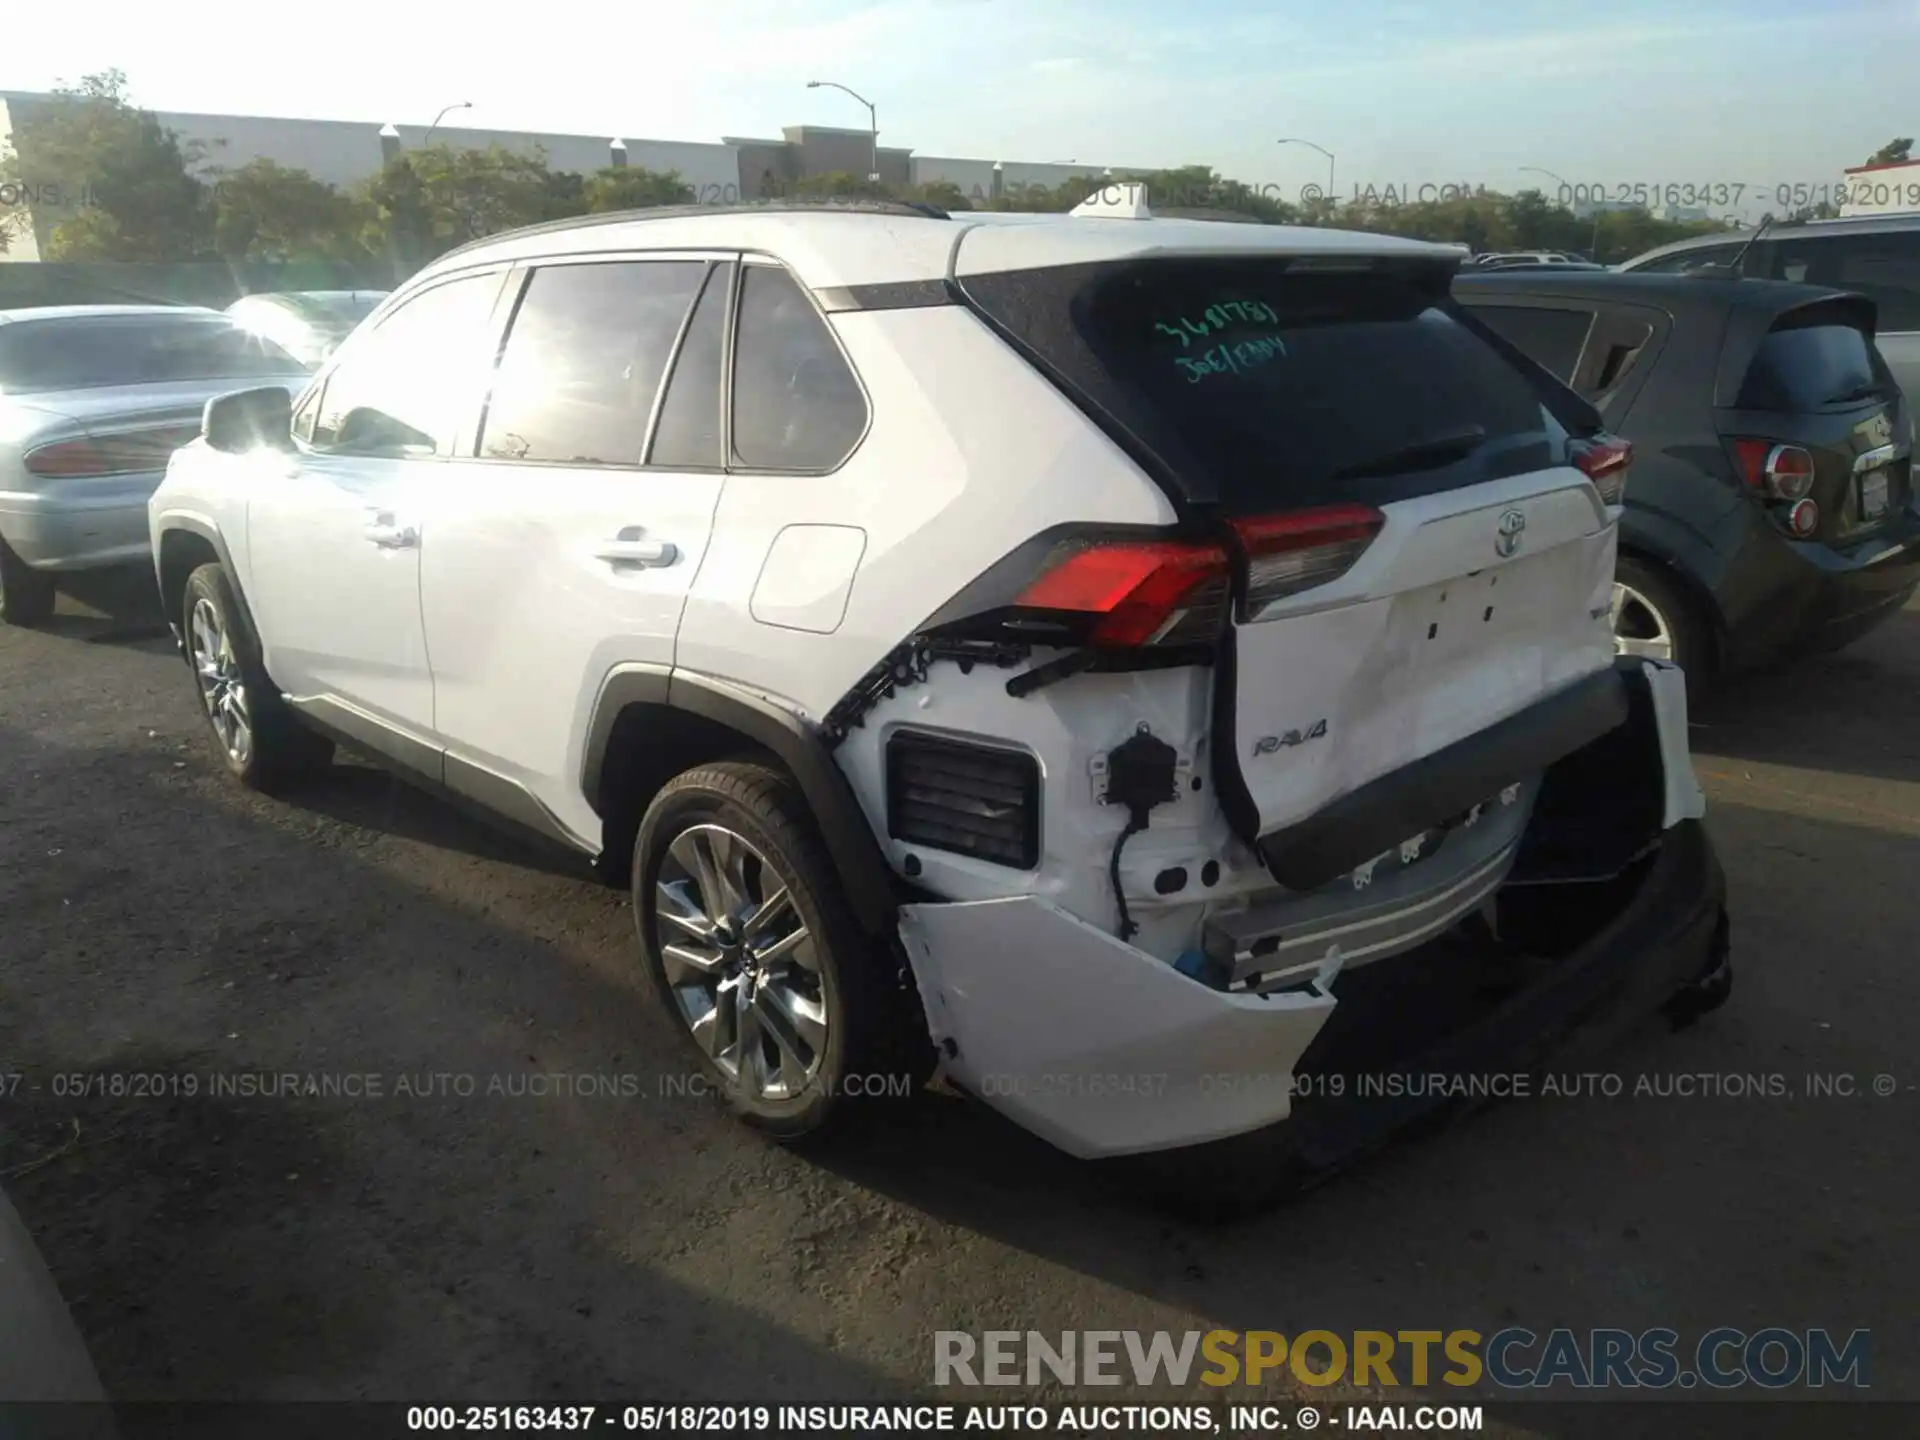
{"x": 1671, "y": 937}
{"x": 1417, "y": 797}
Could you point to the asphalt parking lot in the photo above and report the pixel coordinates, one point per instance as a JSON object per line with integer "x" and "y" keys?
{"x": 428, "y": 1244}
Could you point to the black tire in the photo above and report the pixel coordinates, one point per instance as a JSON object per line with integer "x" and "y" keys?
{"x": 281, "y": 753}
{"x": 875, "y": 1049}
{"x": 1661, "y": 597}
{"x": 26, "y": 594}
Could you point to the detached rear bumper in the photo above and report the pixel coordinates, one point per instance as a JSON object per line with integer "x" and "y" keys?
{"x": 1104, "y": 1050}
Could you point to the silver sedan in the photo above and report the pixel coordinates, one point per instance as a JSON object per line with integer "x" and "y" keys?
{"x": 94, "y": 399}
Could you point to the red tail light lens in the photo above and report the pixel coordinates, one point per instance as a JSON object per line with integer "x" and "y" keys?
{"x": 1774, "y": 471}
{"x": 1290, "y": 553}
{"x": 126, "y": 454}
{"x": 1604, "y": 461}
{"x": 1156, "y": 592}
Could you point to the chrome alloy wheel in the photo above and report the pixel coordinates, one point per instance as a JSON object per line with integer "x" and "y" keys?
{"x": 740, "y": 961}
{"x": 1638, "y": 626}
{"x": 222, "y": 687}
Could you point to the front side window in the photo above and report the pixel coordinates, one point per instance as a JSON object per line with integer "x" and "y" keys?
{"x": 796, "y": 403}
{"x": 400, "y": 389}
{"x": 583, "y": 361}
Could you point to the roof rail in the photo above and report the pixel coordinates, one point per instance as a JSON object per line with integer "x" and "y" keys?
{"x": 859, "y": 205}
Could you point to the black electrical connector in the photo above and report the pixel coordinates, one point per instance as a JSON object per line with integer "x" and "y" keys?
{"x": 1142, "y": 773}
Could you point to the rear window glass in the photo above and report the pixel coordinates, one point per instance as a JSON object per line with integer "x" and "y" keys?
{"x": 1812, "y": 367}
{"x": 87, "y": 353}
{"x": 1299, "y": 387}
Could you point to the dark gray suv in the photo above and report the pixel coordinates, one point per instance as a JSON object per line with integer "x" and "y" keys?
{"x": 1877, "y": 256}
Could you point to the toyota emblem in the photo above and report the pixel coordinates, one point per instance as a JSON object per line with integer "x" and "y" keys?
{"x": 1506, "y": 540}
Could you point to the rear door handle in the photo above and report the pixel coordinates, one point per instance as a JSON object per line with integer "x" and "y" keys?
{"x": 623, "y": 551}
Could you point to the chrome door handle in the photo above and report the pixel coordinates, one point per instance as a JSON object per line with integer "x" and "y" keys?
{"x": 637, "y": 552}
{"x": 389, "y": 536}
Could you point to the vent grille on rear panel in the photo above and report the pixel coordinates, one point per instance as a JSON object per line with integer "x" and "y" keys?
{"x": 976, "y": 800}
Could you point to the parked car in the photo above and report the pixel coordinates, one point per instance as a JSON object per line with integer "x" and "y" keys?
{"x": 1771, "y": 506}
{"x": 307, "y": 324}
{"x": 93, "y": 399}
{"x": 1502, "y": 259}
{"x": 1877, "y": 256}
{"x": 1132, "y": 662}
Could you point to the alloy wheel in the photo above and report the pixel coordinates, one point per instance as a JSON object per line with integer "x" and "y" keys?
{"x": 740, "y": 962}
{"x": 1638, "y": 626}
{"x": 222, "y": 687}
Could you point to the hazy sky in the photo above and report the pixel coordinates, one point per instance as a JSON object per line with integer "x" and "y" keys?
{"x": 1404, "y": 92}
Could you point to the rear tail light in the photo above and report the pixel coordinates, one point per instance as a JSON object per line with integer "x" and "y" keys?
{"x": 1774, "y": 471}
{"x": 1134, "y": 593}
{"x": 125, "y": 454}
{"x": 1290, "y": 553}
{"x": 1804, "y": 518}
{"x": 1605, "y": 460}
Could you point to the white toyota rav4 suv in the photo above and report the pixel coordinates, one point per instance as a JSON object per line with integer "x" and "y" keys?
{"x": 1157, "y": 671}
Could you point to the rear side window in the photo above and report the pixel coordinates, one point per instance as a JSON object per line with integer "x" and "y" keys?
{"x": 1812, "y": 367}
{"x": 583, "y": 361}
{"x": 1551, "y": 337}
{"x": 796, "y": 404}
{"x": 1885, "y": 268}
{"x": 1294, "y": 388}
{"x": 83, "y": 353}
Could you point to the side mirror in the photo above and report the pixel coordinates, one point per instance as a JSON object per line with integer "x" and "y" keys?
{"x": 249, "y": 420}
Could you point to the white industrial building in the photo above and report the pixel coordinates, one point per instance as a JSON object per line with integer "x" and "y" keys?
{"x": 345, "y": 152}
{"x": 1881, "y": 189}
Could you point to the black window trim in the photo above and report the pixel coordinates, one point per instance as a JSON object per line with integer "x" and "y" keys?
{"x": 465, "y": 428}
{"x": 1548, "y": 302}
{"x": 468, "y": 446}
{"x": 729, "y": 265}
{"x": 734, "y": 466}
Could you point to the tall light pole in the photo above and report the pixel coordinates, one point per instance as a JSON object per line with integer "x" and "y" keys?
{"x": 445, "y": 111}
{"x": 1568, "y": 191}
{"x": 873, "y": 120}
{"x": 1328, "y": 153}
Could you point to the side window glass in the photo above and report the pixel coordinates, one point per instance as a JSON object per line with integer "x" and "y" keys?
{"x": 399, "y": 389}
{"x": 1551, "y": 338}
{"x": 1689, "y": 260}
{"x": 307, "y": 413}
{"x": 796, "y": 404}
{"x": 583, "y": 361}
{"x": 1886, "y": 269}
{"x": 688, "y": 435}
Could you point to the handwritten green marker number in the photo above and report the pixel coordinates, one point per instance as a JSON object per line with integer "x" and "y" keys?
{"x": 1209, "y": 354}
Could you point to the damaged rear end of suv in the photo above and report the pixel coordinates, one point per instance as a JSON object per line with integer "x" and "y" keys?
{"x": 1219, "y": 830}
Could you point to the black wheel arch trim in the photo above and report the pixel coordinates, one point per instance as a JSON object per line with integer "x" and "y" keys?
{"x": 194, "y": 525}
{"x": 844, "y": 827}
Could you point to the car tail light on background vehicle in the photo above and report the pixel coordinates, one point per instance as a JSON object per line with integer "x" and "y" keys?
{"x": 1804, "y": 518}
{"x": 1775, "y": 471}
{"x": 125, "y": 454}
{"x": 1605, "y": 460}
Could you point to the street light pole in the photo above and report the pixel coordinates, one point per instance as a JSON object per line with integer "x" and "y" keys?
{"x": 445, "y": 111}
{"x": 873, "y": 121}
{"x": 1328, "y": 153}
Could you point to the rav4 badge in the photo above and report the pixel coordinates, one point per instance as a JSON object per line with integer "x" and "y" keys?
{"x": 1270, "y": 744}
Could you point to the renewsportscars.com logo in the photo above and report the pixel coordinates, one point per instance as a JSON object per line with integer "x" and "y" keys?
{"x": 1515, "y": 1358}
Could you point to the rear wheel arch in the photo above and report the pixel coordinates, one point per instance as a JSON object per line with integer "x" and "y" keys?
{"x": 649, "y": 727}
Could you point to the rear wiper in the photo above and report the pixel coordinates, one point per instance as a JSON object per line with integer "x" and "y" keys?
{"x": 1428, "y": 454}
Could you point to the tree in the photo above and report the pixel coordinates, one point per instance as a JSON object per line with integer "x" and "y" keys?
{"x": 630, "y": 187}
{"x": 424, "y": 203}
{"x": 142, "y": 200}
{"x": 1894, "y": 152}
{"x": 267, "y": 211}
